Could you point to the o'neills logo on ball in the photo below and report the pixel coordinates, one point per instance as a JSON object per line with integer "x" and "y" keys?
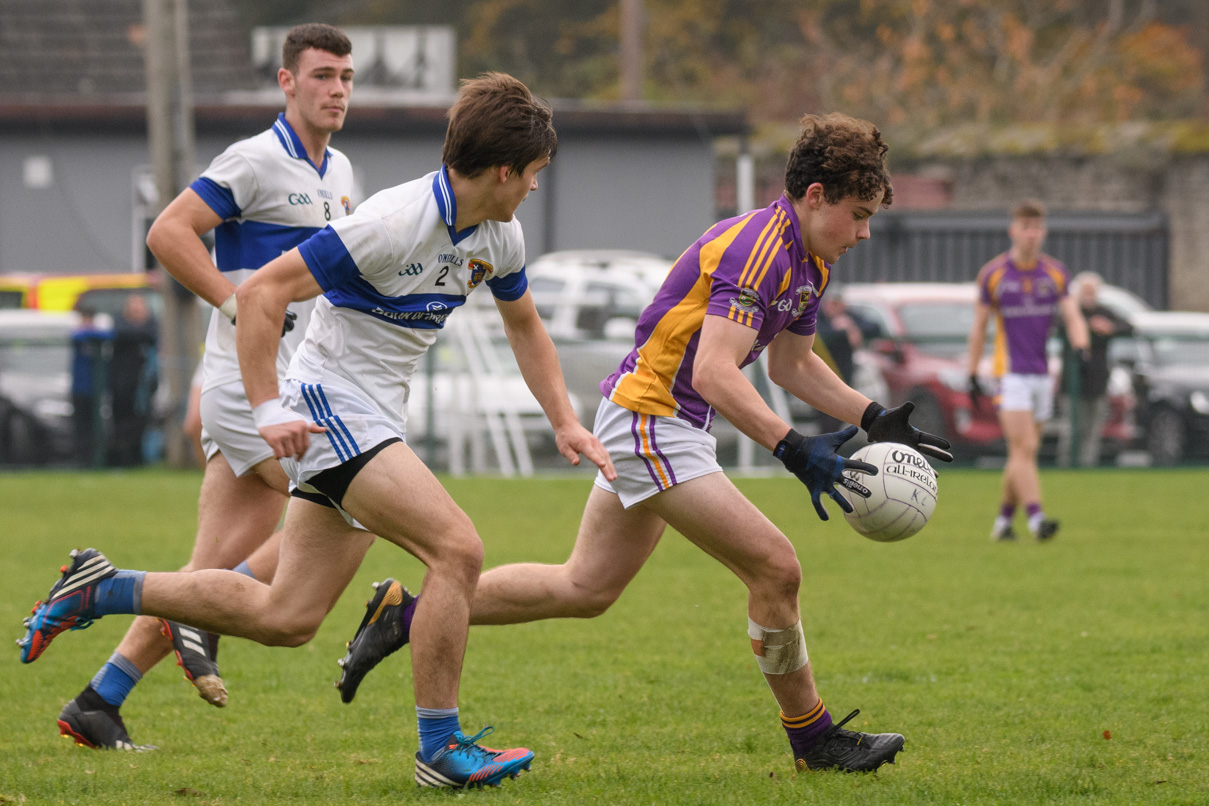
{"x": 912, "y": 466}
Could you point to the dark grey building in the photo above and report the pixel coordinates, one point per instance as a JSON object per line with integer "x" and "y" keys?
{"x": 74, "y": 160}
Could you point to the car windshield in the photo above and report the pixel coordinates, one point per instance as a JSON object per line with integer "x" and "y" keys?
{"x": 1180, "y": 349}
{"x": 937, "y": 321}
{"x": 38, "y": 357}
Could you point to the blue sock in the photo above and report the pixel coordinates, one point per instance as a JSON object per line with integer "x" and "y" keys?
{"x": 115, "y": 679}
{"x": 245, "y": 569}
{"x": 436, "y": 726}
{"x": 120, "y": 594}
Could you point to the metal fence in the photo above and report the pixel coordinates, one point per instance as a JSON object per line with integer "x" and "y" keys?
{"x": 1127, "y": 250}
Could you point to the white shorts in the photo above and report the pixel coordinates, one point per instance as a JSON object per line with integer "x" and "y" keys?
{"x": 651, "y": 454}
{"x": 227, "y": 426}
{"x": 354, "y": 425}
{"x": 1033, "y": 393}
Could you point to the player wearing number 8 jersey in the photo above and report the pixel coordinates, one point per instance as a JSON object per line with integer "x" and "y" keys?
{"x": 261, "y": 196}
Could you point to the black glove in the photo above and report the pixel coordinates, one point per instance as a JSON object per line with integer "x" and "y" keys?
{"x": 817, "y": 465}
{"x": 977, "y": 393}
{"x": 890, "y": 425}
{"x": 287, "y": 325}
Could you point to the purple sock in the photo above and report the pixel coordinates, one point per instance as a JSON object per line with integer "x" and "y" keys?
{"x": 805, "y": 731}
{"x": 1033, "y": 509}
{"x": 407, "y": 615}
{"x": 1007, "y": 511}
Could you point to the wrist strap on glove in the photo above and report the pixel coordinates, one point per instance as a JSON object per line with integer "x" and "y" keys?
{"x": 871, "y": 412}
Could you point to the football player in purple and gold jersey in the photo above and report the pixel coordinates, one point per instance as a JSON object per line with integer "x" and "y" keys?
{"x": 750, "y": 284}
{"x": 1024, "y": 288}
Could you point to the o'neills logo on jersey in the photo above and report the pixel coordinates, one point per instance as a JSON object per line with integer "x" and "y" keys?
{"x": 479, "y": 271}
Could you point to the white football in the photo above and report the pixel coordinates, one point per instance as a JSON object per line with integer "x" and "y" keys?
{"x": 903, "y": 493}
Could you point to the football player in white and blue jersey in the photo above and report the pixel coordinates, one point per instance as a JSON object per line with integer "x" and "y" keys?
{"x": 390, "y": 275}
{"x": 262, "y": 197}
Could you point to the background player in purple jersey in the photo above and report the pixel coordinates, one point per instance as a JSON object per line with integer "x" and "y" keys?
{"x": 1024, "y": 288}
{"x": 750, "y": 283}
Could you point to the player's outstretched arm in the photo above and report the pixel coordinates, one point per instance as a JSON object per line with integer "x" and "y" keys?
{"x": 817, "y": 464}
{"x": 262, "y": 303}
{"x": 891, "y": 425}
{"x": 538, "y": 361}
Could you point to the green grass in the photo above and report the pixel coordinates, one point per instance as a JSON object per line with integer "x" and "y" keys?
{"x": 1006, "y": 666}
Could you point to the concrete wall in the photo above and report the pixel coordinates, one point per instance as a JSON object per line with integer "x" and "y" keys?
{"x": 1133, "y": 182}
{"x": 620, "y": 191}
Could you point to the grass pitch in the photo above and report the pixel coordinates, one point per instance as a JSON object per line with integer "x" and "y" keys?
{"x": 1072, "y": 672}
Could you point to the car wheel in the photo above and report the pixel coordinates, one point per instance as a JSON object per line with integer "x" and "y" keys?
{"x": 22, "y": 441}
{"x": 927, "y": 415}
{"x": 1165, "y": 437}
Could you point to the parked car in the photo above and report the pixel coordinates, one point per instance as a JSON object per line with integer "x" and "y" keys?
{"x": 594, "y": 294}
{"x": 35, "y": 386}
{"x": 919, "y": 333}
{"x": 1168, "y": 357}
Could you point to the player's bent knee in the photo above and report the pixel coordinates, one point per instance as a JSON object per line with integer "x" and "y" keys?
{"x": 290, "y": 632}
{"x": 778, "y": 651}
{"x": 462, "y": 556}
{"x": 591, "y": 602}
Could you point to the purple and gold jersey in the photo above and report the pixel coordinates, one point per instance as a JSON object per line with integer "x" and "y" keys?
{"x": 1024, "y": 302}
{"x": 751, "y": 269}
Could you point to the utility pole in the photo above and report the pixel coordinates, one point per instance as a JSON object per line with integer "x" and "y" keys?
{"x": 631, "y": 50}
{"x": 170, "y": 136}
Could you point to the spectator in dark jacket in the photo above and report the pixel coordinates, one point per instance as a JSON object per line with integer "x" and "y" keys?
{"x": 133, "y": 378}
{"x": 89, "y": 347}
{"x": 1092, "y": 405}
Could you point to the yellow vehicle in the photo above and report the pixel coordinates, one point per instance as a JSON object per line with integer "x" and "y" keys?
{"x": 61, "y": 292}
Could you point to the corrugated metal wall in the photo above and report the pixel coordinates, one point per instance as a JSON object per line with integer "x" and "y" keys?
{"x": 1128, "y": 250}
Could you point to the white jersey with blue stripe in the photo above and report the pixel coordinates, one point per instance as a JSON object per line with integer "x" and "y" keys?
{"x": 271, "y": 198}
{"x": 391, "y": 274}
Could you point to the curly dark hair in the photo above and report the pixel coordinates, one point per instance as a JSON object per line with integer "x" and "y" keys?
{"x": 845, "y": 154}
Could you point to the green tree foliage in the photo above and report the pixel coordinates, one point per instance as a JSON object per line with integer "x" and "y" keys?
{"x": 915, "y": 64}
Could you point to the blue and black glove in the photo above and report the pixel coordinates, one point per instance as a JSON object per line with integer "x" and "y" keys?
{"x": 817, "y": 465}
{"x": 890, "y": 425}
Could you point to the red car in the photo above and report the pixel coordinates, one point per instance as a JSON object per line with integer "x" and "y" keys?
{"x": 919, "y": 333}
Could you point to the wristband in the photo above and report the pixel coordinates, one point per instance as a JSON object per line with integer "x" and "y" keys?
{"x": 789, "y": 442}
{"x": 228, "y": 307}
{"x": 871, "y": 412}
{"x": 271, "y": 412}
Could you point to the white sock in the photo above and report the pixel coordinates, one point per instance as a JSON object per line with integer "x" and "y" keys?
{"x": 1034, "y": 521}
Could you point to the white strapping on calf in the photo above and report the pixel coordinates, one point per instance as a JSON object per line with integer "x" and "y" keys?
{"x": 778, "y": 651}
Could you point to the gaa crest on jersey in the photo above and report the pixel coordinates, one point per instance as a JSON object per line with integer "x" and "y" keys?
{"x": 347, "y": 204}
{"x": 479, "y": 271}
{"x": 746, "y": 300}
{"x": 803, "y": 293}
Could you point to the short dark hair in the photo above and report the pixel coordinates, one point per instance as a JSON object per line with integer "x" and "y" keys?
{"x": 317, "y": 35}
{"x": 497, "y": 121}
{"x": 1029, "y": 208}
{"x": 845, "y": 154}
